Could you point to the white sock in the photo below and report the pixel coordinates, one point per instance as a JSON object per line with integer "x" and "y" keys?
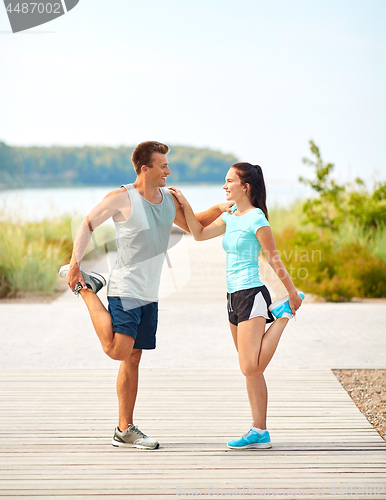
{"x": 260, "y": 431}
{"x": 286, "y": 315}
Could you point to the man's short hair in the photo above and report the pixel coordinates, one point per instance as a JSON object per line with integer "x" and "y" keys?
{"x": 143, "y": 152}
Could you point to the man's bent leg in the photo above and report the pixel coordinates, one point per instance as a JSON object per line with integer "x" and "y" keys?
{"x": 127, "y": 387}
{"x": 118, "y": 347}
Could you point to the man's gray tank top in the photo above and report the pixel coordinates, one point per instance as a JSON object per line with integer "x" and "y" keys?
{"x": 142, "y": 242}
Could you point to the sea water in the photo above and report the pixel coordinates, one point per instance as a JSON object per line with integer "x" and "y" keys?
{"x": 38, "y": 204}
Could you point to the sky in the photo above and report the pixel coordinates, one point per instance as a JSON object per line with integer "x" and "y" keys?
{"x": 255, "y": 78}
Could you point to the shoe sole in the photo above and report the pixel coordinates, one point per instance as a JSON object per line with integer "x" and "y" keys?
{"x": 119, "y": 444}
{"x": 279, "y": 302}
{"x": 255, "y": 446}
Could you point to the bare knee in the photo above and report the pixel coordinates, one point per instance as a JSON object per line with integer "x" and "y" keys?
{"x": 121, "y": 348}
{"x": 135, "y": 357}
{"x": 129, "y": 366}
{"x": 116, "y": 353}
{"x": 251, "y": 370}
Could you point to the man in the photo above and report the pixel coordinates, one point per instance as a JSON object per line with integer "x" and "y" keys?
{"x": 143, "y": 213}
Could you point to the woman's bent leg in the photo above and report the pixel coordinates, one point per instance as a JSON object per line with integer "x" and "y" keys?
{"x": 257, "y": 346}
{"x": 270, "y": 341}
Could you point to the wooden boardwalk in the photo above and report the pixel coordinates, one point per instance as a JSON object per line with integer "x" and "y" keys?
{"x": 56, "y": 428}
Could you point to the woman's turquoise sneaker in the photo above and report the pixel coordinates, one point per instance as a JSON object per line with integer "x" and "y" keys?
{"x": 281, "y": 306}
{"x": 252, "y": 440}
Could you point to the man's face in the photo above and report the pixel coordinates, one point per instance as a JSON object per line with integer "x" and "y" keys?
{"x": 160, "y": 170}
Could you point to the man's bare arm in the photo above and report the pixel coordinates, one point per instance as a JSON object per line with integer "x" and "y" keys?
{"x": 108, "y": 207}
{"x": 213, "y": 213}
{"x": 199, "y": 232}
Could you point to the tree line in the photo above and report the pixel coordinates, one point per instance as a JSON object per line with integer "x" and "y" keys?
{"x": 65, "y": 166}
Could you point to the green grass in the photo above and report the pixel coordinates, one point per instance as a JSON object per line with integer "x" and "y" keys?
{"x": 283, "y": 218}
{"x": 31, "y": 254}
{"x": 374, "y": 239}
{"x": 337, "y": 266}
{"x": 377, "y": 243}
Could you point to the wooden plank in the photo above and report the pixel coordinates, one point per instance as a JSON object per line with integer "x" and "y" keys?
{"x": 320, "y": 438}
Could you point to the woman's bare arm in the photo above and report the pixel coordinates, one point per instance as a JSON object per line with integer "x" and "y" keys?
{"x": 267, "y": 242}
{"x": 199, "y": 232}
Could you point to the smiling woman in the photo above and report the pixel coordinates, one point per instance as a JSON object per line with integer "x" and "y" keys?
{"x": 247, "y": 231}
{"x": 241, "y": 175}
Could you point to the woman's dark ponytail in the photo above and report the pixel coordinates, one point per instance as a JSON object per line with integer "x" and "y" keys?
{"x": 253, "y": 175}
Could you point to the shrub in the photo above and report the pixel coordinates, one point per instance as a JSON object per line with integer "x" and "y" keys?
{"x": 321, "y": 265}
{"x": 377, "y": 242}
{"x": 350, "y": 235}
{"x": 336, "y": 204}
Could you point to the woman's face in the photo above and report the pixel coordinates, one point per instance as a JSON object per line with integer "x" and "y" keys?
{"x": 234, "y": 188}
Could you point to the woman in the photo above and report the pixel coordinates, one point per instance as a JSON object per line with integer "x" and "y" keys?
{"x": 249, "y": 303}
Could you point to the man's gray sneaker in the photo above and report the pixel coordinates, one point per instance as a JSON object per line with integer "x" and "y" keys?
{"x": 133, "y": 438}
{"x": 93, "y": 280}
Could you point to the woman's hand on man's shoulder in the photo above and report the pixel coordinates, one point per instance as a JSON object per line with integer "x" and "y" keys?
{"x": 226, "y": 207}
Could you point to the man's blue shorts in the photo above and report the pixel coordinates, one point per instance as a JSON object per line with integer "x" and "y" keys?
{"x": 136, "y": 318}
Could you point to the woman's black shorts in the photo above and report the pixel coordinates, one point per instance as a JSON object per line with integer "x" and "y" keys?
{"x": 250, "y": 303}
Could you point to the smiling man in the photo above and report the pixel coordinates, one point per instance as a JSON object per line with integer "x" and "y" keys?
{"x": 143, "y": 214}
